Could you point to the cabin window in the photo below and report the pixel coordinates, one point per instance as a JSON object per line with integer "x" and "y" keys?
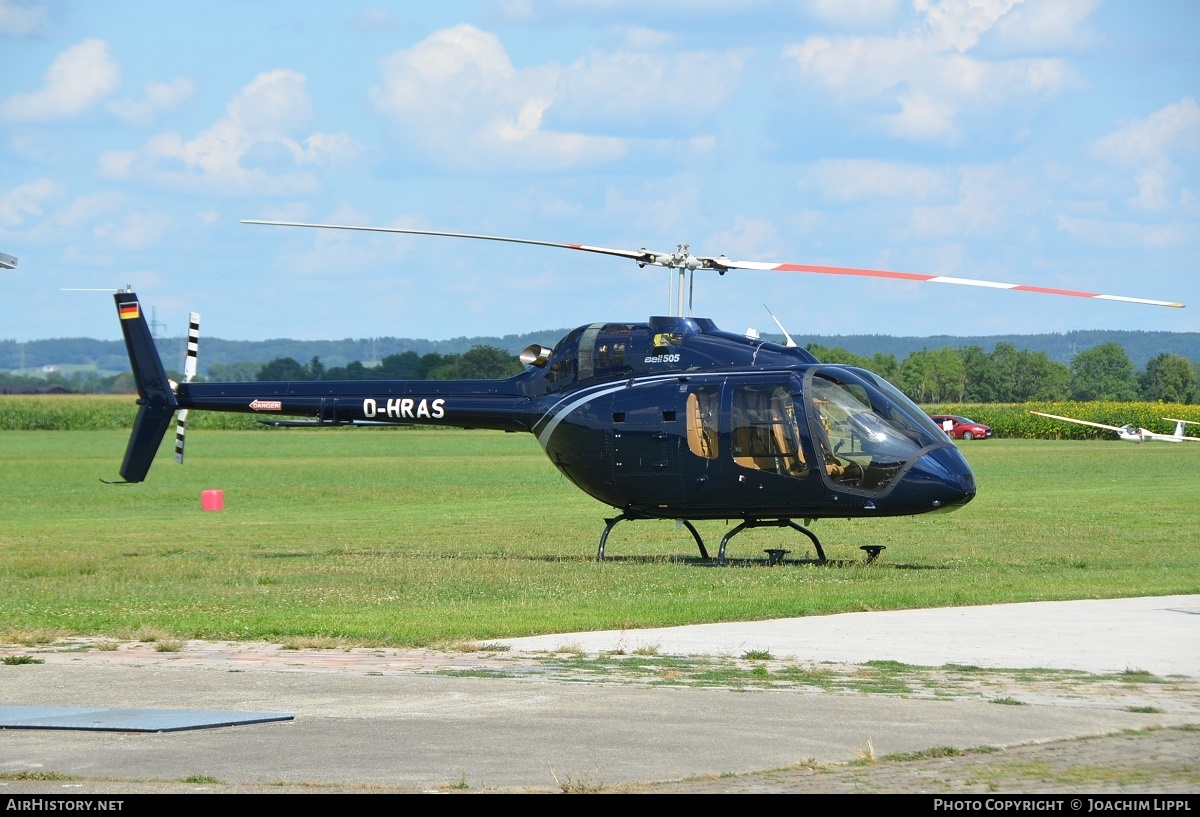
{"x": 702, "y": 421}
{"x": 765, "y": 435}
{"x": 610, "y": 355}
{"x": 863, "y": 437}
{"x": 561, "y": 370}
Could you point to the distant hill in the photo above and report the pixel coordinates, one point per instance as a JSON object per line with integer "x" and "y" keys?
{"x": 110, "y": 354}
{"x": 1061, "y": 347}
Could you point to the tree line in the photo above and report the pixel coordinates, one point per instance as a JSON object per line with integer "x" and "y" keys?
{"x": 946, "y": 375}
{"x": 965, "y": 374}
{"x": 477, "y": 363}
{"x": 1010, "y": 375}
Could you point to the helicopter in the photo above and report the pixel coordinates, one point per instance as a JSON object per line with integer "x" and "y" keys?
{"x": 671, "y": 418}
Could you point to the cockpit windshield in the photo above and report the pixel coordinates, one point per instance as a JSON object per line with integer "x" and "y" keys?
{"x": 865, "y": 430}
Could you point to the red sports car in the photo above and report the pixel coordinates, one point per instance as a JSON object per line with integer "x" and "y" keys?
{"x": 962, "y": 428}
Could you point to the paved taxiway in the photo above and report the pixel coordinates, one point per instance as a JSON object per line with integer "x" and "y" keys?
{"x": 383, "y": 718}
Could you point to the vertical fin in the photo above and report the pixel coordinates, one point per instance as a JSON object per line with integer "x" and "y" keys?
{"x": 156, "y": 398}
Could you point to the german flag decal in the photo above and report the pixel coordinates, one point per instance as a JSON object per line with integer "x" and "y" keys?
{"x": 129, "y": 311}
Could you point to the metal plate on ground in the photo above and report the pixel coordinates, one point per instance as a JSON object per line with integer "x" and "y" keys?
{"x": 128, "y": 720}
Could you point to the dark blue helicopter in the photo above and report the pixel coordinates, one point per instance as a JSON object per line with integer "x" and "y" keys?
{"x": 669, "y": 419}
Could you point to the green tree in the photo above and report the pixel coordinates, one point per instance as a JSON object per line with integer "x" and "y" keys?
{"x": 836, "y": 354}
{"x": 234, "y": 372}
{"x": 1103, "y": 372}
{"x": 1011, "y": 375}
{"x": 282, "y": 368}
{"x": 885, "y": 365}
{"x": 428, "y": 365}
{"x": 487, "y": 363}
{"x": 400, "y": 367}
{"x": 316, "y": 369}
{"x": 982, "y": 380}
{"x": 352, "y": 371}
{"x": 1044, "y": 379}
{"x": 933, "y": 376}
{"x": 1168, "y": 377}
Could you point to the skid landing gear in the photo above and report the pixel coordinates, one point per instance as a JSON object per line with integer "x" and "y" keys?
{"x": 774, "y": 555}
{"x": 612, "y": 523}
{"x": 770, "y": 523}
{"x": 872, "y": 551}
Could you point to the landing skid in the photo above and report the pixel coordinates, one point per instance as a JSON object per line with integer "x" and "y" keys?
{"x": 770, "y": 523}
{"x": 612, "y": 523}
{"x": 775, "y": 555}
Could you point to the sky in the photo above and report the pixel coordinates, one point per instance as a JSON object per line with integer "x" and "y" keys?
{"x": 1052, "y": 143}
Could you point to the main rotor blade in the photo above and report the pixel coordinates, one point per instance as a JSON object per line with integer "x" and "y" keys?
{"x": 644, "y": 256}
{"x": 931, "y": 279}
{"x": 683, "y": 258}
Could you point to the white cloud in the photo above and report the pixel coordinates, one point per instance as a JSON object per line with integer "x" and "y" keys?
{"x": 1151, "y": 146}
{"x": 983, "y": 207}
{"x": 22, "y": 19}
{"x": 647, "y": 89}
{"x": 849, "y": 180}
{"x": 642, "y": 39}
{"x": 1152, "y": 140}
{"x": 373, "y": 19}
{"x": 458, "y": 96}
{"x": 26, "y": 201}
{"x": 925, "y": 77}
{"x": 1109, "y": 233}
{"x": 135, "y": 230}
{"x": 853, "y": 13}
{"x": 1044, "y": 25}
{"x": 77, "y": 79}
{"x": 748, "y": 239}
{"x": 1152, "y": 191}
{"x": 159, "y": 97}
{"x": 958, "y": 24}
{"x": 88, "y": 208}
{"x": 251, "y": 149}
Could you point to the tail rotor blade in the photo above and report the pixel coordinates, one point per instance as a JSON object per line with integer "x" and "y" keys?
{"x": 180, "y": 433}
{"x": 189, "y": 371}
{"x": 193, "y": 347}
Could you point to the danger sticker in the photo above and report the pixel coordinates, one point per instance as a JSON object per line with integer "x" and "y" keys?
{"x": 267, "y": 405}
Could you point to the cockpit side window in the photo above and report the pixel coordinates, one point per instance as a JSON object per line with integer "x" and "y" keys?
{"x": 702, "y": 403}
{"x": 764, "y": 433}
{"x": 863, "y": 431}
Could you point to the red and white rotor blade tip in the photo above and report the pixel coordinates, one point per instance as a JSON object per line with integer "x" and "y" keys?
{"x": 936, "y": 279}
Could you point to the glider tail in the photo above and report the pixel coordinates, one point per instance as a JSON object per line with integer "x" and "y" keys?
{"x": 1180, "y": 425}
{"x": 156, "y": 397}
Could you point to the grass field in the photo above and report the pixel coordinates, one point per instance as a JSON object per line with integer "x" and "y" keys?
{"x": 429, "y": 537}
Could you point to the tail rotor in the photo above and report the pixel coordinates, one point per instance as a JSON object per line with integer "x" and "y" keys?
{"x": 189, "y": 371}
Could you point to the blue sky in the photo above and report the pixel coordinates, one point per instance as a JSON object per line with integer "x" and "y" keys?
{"x": 1046, "y": 142}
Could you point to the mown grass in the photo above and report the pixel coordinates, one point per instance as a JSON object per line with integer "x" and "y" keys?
{"x": 398, "y": 537}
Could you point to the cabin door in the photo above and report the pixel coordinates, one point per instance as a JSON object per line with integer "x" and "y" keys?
{"x": 646, "y": 441}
